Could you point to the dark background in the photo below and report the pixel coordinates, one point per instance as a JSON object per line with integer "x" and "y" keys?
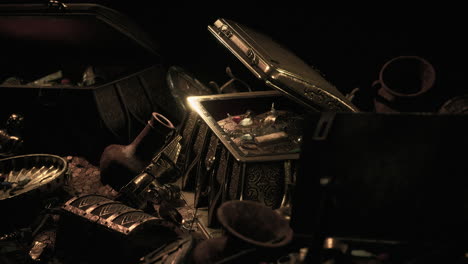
{"x": 348, "y": 49}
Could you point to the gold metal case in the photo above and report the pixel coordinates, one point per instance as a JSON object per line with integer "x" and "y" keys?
{"x": 280, "y": 68}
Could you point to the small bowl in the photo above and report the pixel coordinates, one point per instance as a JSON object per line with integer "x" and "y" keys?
{"x": 254, "y": 223}
{"x": 46, "y": 175}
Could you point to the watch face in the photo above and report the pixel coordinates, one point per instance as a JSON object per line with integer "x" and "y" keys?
{"x": 182, "y": 85}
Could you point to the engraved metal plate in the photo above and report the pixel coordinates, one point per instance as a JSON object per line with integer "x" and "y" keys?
{"x": 111, "y": 214}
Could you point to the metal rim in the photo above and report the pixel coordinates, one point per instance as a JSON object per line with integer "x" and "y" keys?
{"x": 59, "y": 173}
{"x": 399, "y": 58}
{"x": 285, "y": 239}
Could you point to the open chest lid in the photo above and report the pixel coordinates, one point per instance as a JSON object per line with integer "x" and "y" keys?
{"x": 73, "y": 29}
{"x": 280, "y": 68}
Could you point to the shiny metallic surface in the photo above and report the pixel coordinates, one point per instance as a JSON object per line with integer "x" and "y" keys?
{"x": 37, "y": 249}
{"x": 110, "y": 214}
{"x": 109, "y": 231}
{"x": 197, "y": 104}
{"x": 9, "y": 145}
{"x": 182, "y": 85}
{"x": 334, "y": 243}
{"x": 279, "y": 68}
{"x": 37, "y": 170}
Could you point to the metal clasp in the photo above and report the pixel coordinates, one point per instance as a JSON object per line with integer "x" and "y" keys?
{"x": 324, "y": 125}
{"x": 252, "y": 57}
{"x": 54, "y": 4}
{"x": 225, "y": 30}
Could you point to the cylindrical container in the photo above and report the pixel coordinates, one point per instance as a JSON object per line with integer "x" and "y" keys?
{"x": 401, "y": 80}
{"x": 119, "y": 164}
{"x": 250, "y": 226}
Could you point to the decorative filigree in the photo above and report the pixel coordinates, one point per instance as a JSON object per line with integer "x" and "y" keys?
{"x": 86, "y": 201}
{"x": 324, "y": 100}
{"x": 131, "y": 218}
{"x": 202, "y": 132}
{"x": 264, "y": 183}
{"x": 109, "y": 209}
{"x": 189, "y": 126}
{"x": 222, "y": 166}
{"x": 211, "y": 152}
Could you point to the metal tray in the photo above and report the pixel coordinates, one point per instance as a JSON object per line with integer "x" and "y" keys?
{"x": 214, "y": 108}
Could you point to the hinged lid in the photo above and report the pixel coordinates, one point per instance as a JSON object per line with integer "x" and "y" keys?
{"x": 279, "y": 68}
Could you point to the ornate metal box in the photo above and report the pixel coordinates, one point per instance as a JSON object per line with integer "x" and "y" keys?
{"x": 245, "y": 145}
{"x": 102, "y": 230}
{"x": 231, "y": 167}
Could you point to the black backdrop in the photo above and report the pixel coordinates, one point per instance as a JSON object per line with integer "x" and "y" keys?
{"x": 348, "y": 49}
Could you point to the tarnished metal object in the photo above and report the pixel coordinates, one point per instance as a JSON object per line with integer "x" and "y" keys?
{"x": 9, "y": 145}
{"x": 162, "y": 166}
{"x": 289, "y": 184}
{"x": 250, "y": 227}
{"x": 279, "y": 68}
{"x": 89, "y": 76}
{"x": 10, "y": 138}
{"x": 25, "y": 178}
{"x": 147, "y": 186}
{"x": 15, "y": 124}
{"x": 401, "y": 79}
{"x": 28, "y": 173}
{"x": 172, "y": 253}
{"x": 37, "y": 250}
{"x": 213, "y": 109}
{"x": 111, "y": 214}
{"x": 48, "y": 79}
{"x": 235, "y": 172}
{"x": 120, "y": 163}
{"x": 182, "y": 85}
{"x": 33, "y": 178}
{"x": 108, "y": 230}
{"x": 334, "y": 243}
{"x": 234, "y": 85}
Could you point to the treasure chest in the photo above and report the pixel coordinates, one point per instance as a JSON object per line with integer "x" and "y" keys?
{"x": 83, "y": 75}
{"x": 246, "y": 145}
